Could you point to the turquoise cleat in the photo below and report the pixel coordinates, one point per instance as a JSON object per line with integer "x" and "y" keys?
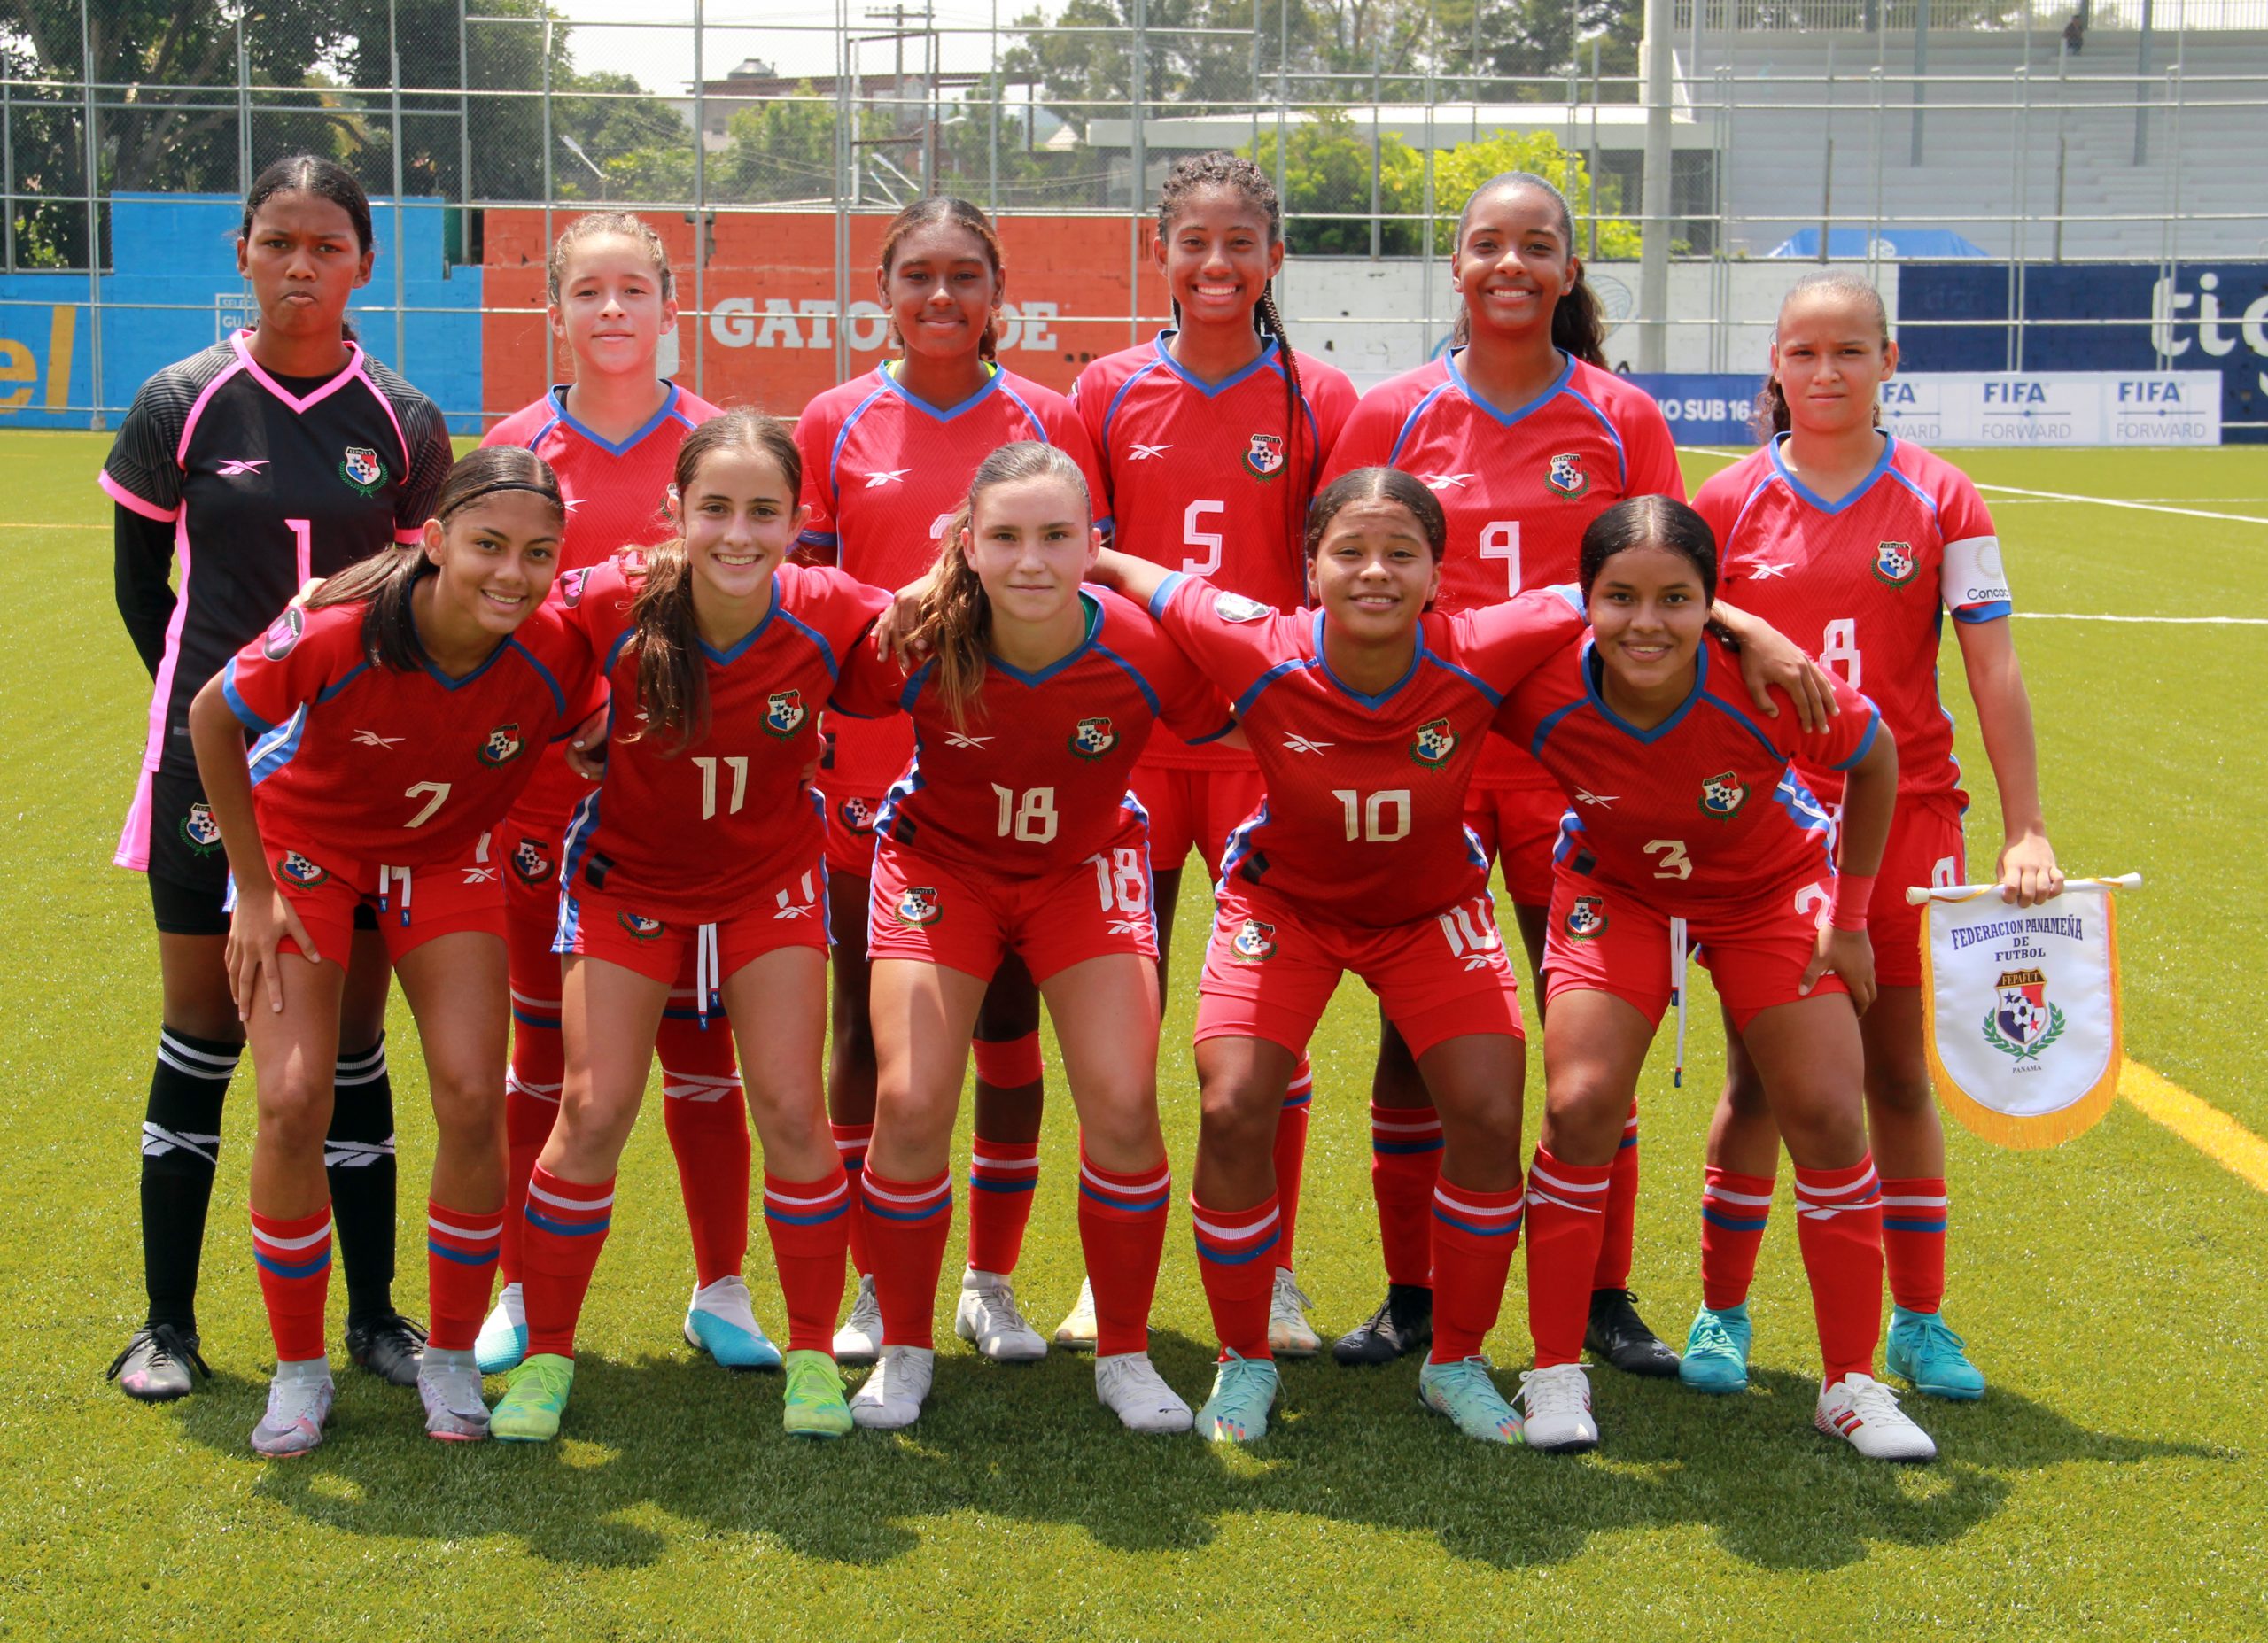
{"x": 503, "y": 1338}
{"x": 1930, "y": 1356}
{"x": 1244, "y": 1391}
{"x": 1716, "y": 1351}
{"x": 1464, "y": 1392}
{"x": 721, "y": 1323}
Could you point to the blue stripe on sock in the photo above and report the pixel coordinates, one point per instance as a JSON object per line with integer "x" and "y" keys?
{"x": 463, "y": 1258}
{"x": 1511, "y": 1226}
{"x": 283, "y": 1269}
{"x": 571, "y": 1228}
{"x": 982, "y": 1183}
{"x": 818, "y": 1218}
{"x": 1628, "y": 1141}
{"x": 1221, "y": 1258}
{"x": 1889, "y": 1225}
{"x": 1397, "y": 1148}
{"x": 1134, "y": 1206}
{"x": 526, "y": 1019}
{"x": 874, "y": 1208}
{"x": 1718, "y": 1218}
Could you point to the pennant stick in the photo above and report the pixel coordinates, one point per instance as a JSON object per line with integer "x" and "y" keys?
{"x": 1916, "y": 894}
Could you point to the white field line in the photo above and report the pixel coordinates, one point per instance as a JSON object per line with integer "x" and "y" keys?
{"x": 2107, "y": 502}
{"x": 2084, "y": 615}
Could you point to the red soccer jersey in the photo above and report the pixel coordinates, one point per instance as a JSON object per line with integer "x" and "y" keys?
{"x": 1701, "y": 814}
{"x": 1363, "y": 818}
{"x": 1196, "y": 472}
{"x": 402, "y": 769}
{"x": 614, "y": 495}
{"x": 1519, "y": 486}
{"x": 883, "y": 470}
{"x": 1866, "y": 580}
{"x": 1037, "y": 778}
{"x": 690, "y": 836}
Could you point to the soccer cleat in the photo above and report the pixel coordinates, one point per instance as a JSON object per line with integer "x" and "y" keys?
{"x": 1076, "y": 1332}
{"x": 1619, "y": 1335}
{"x": 1244, "y": 1391}
{"x": 1864, "y": 1413}
{"x": 155, "y": 1364}
{"x": 1558, "y": 1404}
{"x": 1290, "y": 1335}
{"x": 987, "y": 1315}
{"x": 1130, "y": 1386}
{"x": 892, "y": 1396}
{"x": 503, "y": 1338}
{"x": 721, "y": 1322}
{"x": 533, "y": 1400}
{"x": 387, "y": 1345}
{"x": 449, "y": 1384}
{"x": 1463, "y": 1391}
{"x": 859, "y": 1340}
{"x": 1403, "y": 1324}
{"x": 1931, "y": 1356}
{"x": 1716, "y": 1351}
{"x": 299, "y": 1407}
{"x": 815, "y": 1406}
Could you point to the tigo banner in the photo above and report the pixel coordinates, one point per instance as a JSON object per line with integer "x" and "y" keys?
{"x": 2023, "y": 1028}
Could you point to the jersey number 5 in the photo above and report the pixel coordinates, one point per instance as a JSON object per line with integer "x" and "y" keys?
{"x": 1209, "y": 540}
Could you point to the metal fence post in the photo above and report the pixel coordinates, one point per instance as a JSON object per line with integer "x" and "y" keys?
{"x": 846, "y": 159}
{"x": 8, "y": 169}
{"x": 400, "y": 272}
{"x": 700, "y": 200}
{"x": 94, "y": 146}
{"x": 464, "y": 138}
{"x": 244, "y": 112}
{"x": 992, "y": 121}
{"x": 2142, "y": 89}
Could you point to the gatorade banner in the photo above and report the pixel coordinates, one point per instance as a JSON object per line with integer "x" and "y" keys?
{"x": 2023, "y": 1028}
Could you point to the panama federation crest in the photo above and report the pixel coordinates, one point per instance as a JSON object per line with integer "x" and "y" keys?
{"x": 1587, "y": 918}
{"x": 1254, "y": 941}
{"x": 785, "y": 713}
{"x": 2022, "y": 1022}
{"x": 200, "y": 830}
{"x": 532, "y": 862}
{"x": 1566, "y": 476}
{"x": 301, "y": 871}
{"x": 1432, "y": 744}
{"x": 283, "y": 633}
{"x": 1894, "y": 563}
{"x": 857, "y": 815}
{"x": 502, "y": 747}
{"x": 918, "y": 906}
{"x": 638, "y": 927}
{"x": 1722, "y": 796}
{"x": 1263, "y": 458}
{"x": 1092, "y": 738}
{"x": 360, "y": 468}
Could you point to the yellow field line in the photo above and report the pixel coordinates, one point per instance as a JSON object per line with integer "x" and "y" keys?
{"x": 2200, "y": 1123}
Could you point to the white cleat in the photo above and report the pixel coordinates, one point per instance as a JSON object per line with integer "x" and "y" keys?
{"x": 299, "y": 1407}
{"x": 1558, "y": 1401}
{"x": 503, "y": 1338}
{"x": 1076, "y": 1332}
{"x": 1290, "y": 1335}
{"x": 893, "y": 1395}
{"x": 859, "y": 1340}
{"x": 987, "y": 1315}
{"x": 449, "y": 1384}
{"x": 1864, "y": 1413}
{"x": 1128, "y": 1385}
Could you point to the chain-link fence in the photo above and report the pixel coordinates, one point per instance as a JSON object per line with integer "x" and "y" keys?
{"x": 1872, "y": 132}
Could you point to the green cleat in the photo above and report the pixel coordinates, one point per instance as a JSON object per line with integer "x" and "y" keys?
{"x": 534, "y": 1398}
{"x": 1244, "y": 1391}
{"x": 1464, "y": 1392}
{"x": 1930, "y": 1356}
{"x": 1716, "y": 1351}
{"x": 815, "y": 1403}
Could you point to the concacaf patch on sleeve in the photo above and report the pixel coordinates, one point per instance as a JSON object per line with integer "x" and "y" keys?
{"x": 1237, "y": 607}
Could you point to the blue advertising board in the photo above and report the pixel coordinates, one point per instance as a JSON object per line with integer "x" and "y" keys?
{"x": 2124, "y": 317}
{"x": 1704, "y": 408}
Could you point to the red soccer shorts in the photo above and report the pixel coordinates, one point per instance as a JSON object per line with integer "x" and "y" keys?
{"x": 850, "y": 832}
{"x": 1924, "y": 847}
{"x": 1606, "y": 940}
{"x": 1518, "y": 827}
{"x": 412, "y": 905}
{"x": 964, "y": 921}
{"x": 788, "y": 911}
{"x": 1269, "y": 971}
{"x": 1194, "y": 808}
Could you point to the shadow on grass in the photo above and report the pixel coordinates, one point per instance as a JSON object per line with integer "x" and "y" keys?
{"x": 666, "y": 1441}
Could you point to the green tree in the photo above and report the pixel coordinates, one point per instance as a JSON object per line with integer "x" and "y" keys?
{"x": 1460, "y": 170}
{"x": 1327, "y": 174}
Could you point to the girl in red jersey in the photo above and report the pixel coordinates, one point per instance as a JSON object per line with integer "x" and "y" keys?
{"x": 612, "y": 436}
{"x": 397, "y": 717}
{"x": 282, "y": 452}
{"x": 1839, "y": 529}
{"x": 701, "y": 846}
{"x": 1687, "y": 826}
{"x": 1211, "y": 436}
{"x": 1012, "y": 831}
{"x": 1526, "y": 437}
{"x": 1367, "y": 716}
{"x": 887, "y": 460}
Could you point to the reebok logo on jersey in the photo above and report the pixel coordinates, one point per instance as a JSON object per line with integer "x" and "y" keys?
{"x": 1255, "y": 942}
{"x": 1432, "y": 744}
{"x": 1765, "y": 573}
{"x": 360, "y": 468}
{"x": 1301, "y": 744}
{"x": 200, "y": 830}
{"x": 1144, "y": 453}
{"x": 1263, "y": 456}
{"x": 481, "y": 875}
{"x": 236, "y": 465}
{"x": 1445, "y": 481}
{"x": 918, "y": 906}
{"x": 791, "y": 908}
{"x": 1237, "y": 607}
{"x": 882, "y": 476}
{"x": 371, "y": 739}
{"x": 1722, "y": 796}
{"x": 283, "y": 633}
{"x": 957, "y": 739}
{"x": 1567, "y": 477}
{"x": 1092, "y": 738}
{"x": 1894, "y": 563}
{"x": 1587, "y": 918}
{"x": 1604, "y": 800}
{"x": 785, "y": 714}
{"x": 502, "y": 747}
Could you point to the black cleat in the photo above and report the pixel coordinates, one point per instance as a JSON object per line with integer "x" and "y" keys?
{"x": 1619, "y": 1335}
{"x": 388, "y": 1345}
{"x": 155, "y": 1364}
{"x": 1403, "y": 1324}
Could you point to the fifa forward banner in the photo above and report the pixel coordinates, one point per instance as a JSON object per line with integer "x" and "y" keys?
{"x": 2024, "y": 1026}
